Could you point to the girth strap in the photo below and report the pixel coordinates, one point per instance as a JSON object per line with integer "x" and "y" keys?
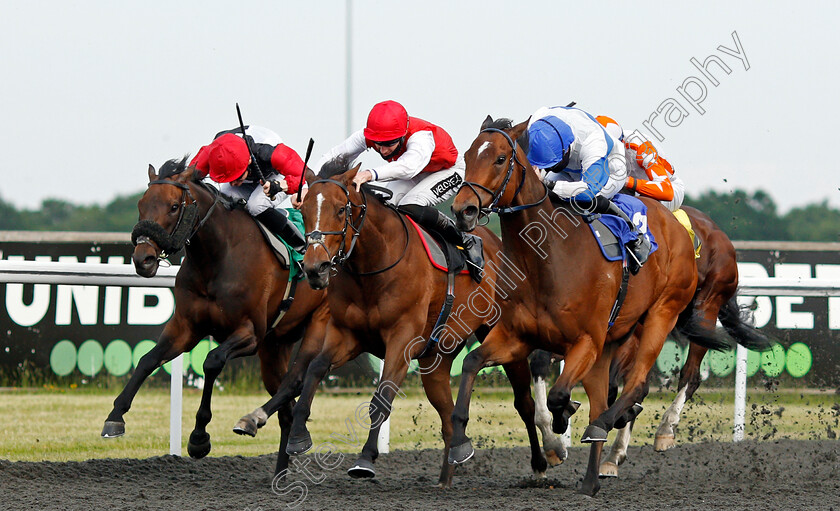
{"x": 434, "y": 338}
{"x": 622, "y": 293}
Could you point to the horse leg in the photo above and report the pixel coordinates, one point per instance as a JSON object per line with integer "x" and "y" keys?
{"x": 274, "y": 356}
{"x": 313, "y": 341}
{"x": 438, "y": 391}
{"x": 628, "y": 405}
{"x": 553, "y": 446}
{"x": 339, "y": 347}
{"x": 578, "y": 361}
{"x": 500, "y": 347}
{"x": 177, "y": 337}
{"x": 240, "y": 343}
{"x": 689, "y": 382}
{"x": 520, "y": 380}
{"x": 618, "y": 452}
{"x": 596, "y": 383}
{"x": 395, "y": 368}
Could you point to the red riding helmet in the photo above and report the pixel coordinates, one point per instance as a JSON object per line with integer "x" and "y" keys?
{"x": 387, "y": 121}
{"x": 228, "y": 157}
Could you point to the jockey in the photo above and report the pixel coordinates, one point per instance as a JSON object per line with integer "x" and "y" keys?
{"x": 649, "y": 173}
{"x": 582, "y": 163}
{"x": 423, "y": 168}
{"x": 228, "y": 161}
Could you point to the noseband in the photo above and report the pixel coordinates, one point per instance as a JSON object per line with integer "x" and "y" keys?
{"x": 495, "y": 196}
{"x": 148, "y": 230}
{"x": 340, "y": 257}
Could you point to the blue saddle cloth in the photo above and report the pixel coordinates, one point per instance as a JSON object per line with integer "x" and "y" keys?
{"x": 613, "y": 247}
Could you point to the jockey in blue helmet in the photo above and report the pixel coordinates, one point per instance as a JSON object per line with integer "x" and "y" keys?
{"x": 583, "y": 164}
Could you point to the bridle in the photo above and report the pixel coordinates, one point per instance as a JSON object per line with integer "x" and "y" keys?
{"x": 341, "y": 256}
{"x": 495, "y": 196}
{"x": 185, "y": 228}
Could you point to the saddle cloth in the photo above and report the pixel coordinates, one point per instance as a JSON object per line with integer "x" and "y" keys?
{"x": 434, "y": 248}
{"x": 682, "y": 216}
{"x": 612, "y": 233}
{"x": 282, "y": 250}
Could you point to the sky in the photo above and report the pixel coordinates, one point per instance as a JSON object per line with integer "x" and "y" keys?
{"x": 93, "y": 92}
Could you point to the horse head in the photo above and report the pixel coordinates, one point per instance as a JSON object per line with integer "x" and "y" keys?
{"x": 167, "y": 216}
{"x": 332, "y": 213}
{"x": 493, "y": 177}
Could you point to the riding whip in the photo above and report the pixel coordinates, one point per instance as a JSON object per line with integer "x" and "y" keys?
{"x": 305, "y": 161}
{"x": 250, "y": 150}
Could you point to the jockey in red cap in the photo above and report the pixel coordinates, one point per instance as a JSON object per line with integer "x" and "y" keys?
{"x": 227, "y": 160}
{"x": 422, "y": 168}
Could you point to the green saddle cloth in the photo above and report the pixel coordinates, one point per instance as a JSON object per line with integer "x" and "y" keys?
{"x": 295, "y": 268}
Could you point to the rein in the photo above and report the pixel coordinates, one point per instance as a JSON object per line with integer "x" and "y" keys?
{"x": 340, "y": 258}
{"x": 185, "y": 228}
{"x": 497, "y": 195}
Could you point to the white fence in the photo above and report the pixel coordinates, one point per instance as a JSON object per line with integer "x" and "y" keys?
{"x": 34, "y": 272}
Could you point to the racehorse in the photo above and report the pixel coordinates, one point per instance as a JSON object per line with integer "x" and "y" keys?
{"x": 716, "y": 300}
{"x": 385, "y": 298}
{"x": 565, "y": 304}
{"x": 230, "y": 286}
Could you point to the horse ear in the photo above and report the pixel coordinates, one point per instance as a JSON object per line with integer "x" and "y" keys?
{"x": 486, "y": 124}
{"x": 517, "y": 130}
{"x": 523, "y": 140}
{"x": 311, "y": 176}
{"x": 348, "y": 176}
{"x": 152, "y": 173}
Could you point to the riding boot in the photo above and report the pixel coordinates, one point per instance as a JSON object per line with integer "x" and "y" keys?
{"x": 279, "y": 224}
{"x": 469, "y": 244}
{"x": 639, "y": 249}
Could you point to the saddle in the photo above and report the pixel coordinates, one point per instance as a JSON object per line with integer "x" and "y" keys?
{"x": 443, "y": 255}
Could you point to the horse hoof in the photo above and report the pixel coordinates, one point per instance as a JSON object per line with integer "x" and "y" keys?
{"x": 362, "y": 469}
{"x": 299, "y": 444}
{"x": 663, "y": 443}
{"x": 246, "y": 426}
{"x": 608, "y": 469}
{"x": 461, "y": 453}
{"x": 553, "y": 459}
{"x": 199, "y": 445}
{"x": 113, "y": 429}
{"x": 593, "y": 433}
{"x": 590, "y": 490}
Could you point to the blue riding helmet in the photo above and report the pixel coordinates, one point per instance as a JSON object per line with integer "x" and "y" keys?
{"x": 549, "y": 139}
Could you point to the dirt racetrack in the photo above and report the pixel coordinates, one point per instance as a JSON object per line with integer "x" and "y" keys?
{"x": 783, "y": 474}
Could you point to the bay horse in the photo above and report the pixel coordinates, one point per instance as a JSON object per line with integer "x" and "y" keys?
{"x": 230, "y": 285}
{"x": 715, "y": 299}
{"x": 565, "y": 304}
{"x": 385, "y": 297}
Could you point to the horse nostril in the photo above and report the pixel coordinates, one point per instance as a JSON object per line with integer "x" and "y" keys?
{"x": 148, "y": 261}
{"x": 470, "y": 212}
{"x": 324, "y": 267}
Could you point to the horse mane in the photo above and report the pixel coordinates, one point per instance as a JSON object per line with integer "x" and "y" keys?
{"x": 173, "y": 167}
{"x": 338, "y": 165}
{"x": 505, "y": 124}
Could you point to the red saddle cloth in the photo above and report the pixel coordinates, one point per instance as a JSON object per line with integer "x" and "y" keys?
{"x": 433, "y": 248}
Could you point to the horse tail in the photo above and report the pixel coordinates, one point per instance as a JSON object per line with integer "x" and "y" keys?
{"x": 694, "y": 327}
{"x": 733, "y": 318}
{"x": 540, "y": 363}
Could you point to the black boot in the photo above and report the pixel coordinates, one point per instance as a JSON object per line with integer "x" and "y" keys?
{"x": 279, "y": 224}
{"x": 470, "y": 244}
{"x": 639, "y": 249}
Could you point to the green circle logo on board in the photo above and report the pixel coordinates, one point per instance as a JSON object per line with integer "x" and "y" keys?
{"x": 773, "y": 361}
{"x": 90, "y": 358}
{"x": 118, "y": 357}
{"x": 63, "y": 358}
{"x": 798, "y": 360}
{"x": 722, "y": 363}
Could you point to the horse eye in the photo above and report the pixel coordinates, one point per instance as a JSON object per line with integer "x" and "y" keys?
{"x": 174, "y": 207}
{"x": 501, "y": 159}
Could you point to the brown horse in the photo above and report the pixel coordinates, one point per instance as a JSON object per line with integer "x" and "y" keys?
{"x": 230, "y": 286}
{"x": 565, "y": 304}
{"x": 385, "y": 297}
{"x": 715, "y": 299}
